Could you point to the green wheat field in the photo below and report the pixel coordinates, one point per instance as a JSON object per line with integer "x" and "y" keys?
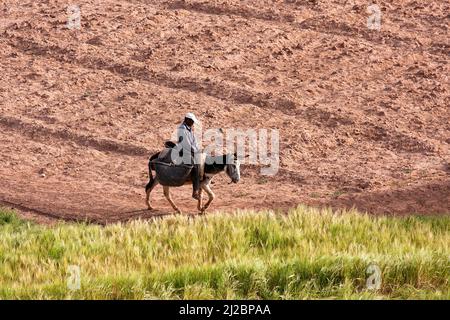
{"x": 304, "y": 254}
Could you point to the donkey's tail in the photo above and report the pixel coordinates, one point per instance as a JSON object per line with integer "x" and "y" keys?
{"x": 151, "y": 167}
{"x": 150, "y": 176}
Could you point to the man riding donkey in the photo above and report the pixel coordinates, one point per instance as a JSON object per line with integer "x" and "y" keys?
{"x": 183, "y": 163}
{"x": 189, "y": 145}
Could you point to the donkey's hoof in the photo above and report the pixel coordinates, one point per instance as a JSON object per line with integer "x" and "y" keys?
{"x": 150, "y": 208}
{"x": 204, "y": 208}
{"x": 178, "y": 212}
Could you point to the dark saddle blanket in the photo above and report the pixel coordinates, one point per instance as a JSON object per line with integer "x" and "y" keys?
{"x": 169, "y": 174}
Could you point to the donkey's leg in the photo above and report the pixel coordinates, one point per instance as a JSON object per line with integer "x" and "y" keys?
{"x": 199, "y": 203}
{"x": 169, "y": 198}
{"x": 211, "y": 197}
{"x": 148, "y": 189}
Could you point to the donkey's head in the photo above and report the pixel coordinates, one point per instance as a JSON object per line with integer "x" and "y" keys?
{"x": 232, "y": 167}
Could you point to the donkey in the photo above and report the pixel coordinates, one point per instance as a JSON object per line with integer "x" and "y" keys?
{"x": 228, "y": 163}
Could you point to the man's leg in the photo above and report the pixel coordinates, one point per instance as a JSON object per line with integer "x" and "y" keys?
{"x": 196, "y": 181}
{"x": 196, "y": 177}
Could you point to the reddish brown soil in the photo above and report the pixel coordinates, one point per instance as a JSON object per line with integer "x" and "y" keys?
{"x": 363, "y": 115}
